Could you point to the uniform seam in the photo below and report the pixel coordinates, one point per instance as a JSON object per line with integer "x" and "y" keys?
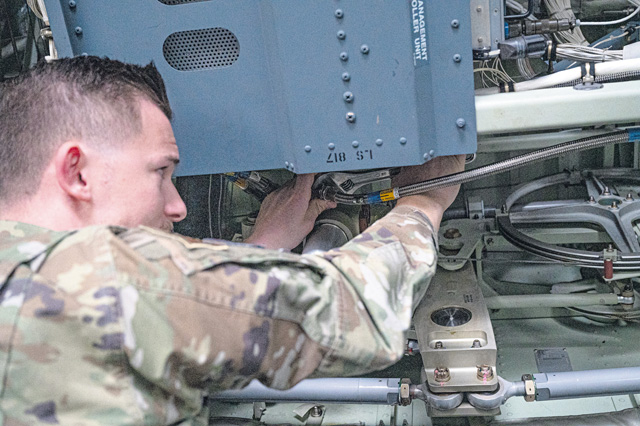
{"x": 126, "y": 365}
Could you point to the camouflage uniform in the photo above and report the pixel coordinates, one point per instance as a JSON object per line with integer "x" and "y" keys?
{"x": 114, "y": 326}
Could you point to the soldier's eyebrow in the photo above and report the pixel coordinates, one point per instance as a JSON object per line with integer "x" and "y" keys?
{"x": 172, "y": 159}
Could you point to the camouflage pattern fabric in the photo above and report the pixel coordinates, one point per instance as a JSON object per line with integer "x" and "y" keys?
{"x": 114, "y": 326}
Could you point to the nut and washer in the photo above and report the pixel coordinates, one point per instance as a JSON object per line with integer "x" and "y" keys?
{"x": 441, "y": 374}
{"x": 529, "y": 388}
{"x": 485, "y": 372}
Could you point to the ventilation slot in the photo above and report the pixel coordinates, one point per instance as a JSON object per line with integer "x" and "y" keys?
{"x": 201, "y": 49}
{"x": 174, "y": 2}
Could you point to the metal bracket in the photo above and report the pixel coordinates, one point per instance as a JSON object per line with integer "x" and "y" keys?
{"x": 529, "y": 388}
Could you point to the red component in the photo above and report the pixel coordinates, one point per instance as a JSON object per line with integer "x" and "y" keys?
{"x": 608, "y": 269}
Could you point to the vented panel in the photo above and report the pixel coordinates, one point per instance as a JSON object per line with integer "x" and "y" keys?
{"x": 174, "y": 2}
{"x": 201, "y": 49}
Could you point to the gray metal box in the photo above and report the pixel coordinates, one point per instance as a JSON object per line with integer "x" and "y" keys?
{"x": 310, "y": 85}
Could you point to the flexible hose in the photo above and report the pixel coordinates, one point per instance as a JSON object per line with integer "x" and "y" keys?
{"x": 629, "y": 135}
{"x": 621, "y": 76}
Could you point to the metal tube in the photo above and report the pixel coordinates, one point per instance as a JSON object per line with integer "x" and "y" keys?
{"x": 325, "y": 236}
{"x": 340, "y": 390}
{"x": 550, "y": 301}
{"x": 574, "y": 384}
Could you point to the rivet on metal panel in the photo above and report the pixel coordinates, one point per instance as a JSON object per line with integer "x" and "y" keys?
{"x": 344, "y": 56}
{"x": 286, "y": 164}
{"x": 432, "y": 153}
{"x": 307, "y": 148}
{"x": 457, "y": 57}
{"x": 479, "y": 9}
{"x": 72, "y": 3}
{"x": 355, "y": 144}
{"x": 364, "y": 49}
{"x": 339, "y": 13}
{"x": 403, "y": 141}
{"x": 341, "y": 35}
{"x": 291, "y": 167}
{"x": 346, "y": 76}
{"x": 351, "y": 117}
{"x": 332, "y": 145}
{"x": 78, "y": 30}
{"x": 426, "y": 156}
{"x": 460, "y": 122}
{"x": 455, "y": 23}
{"x": 348, "y": 96}
{"x": 379, "y": 142}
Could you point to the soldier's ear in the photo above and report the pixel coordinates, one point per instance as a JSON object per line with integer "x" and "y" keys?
{"x": 70, "y": 163}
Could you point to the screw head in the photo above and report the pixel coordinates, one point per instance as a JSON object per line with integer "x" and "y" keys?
{"x": 460, "y": 122}
{"x": 78, "y": 30}
{"x": 341, "y": 35}
{"x": 307, "y": 148}
{"x": 457, "y": 57}
{"x": 355, "y": 144}
{"x": 346, "y": 76}
{"x": 403, "y": 141}
{"x": 332, "y": 146}
{"x": 339, "y": 13}
{"x": 344, "y": 56}
{"x": 72, "y": 3}
{"x": 348, "y": 96}
{"x": 379, "y": 142}
{"x": 455, "y": 23}
{"x": 351, "y": 117}
{"x": 364, "y": 49}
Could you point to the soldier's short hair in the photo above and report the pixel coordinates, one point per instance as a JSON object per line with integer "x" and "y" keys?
{"x": 86, "y": 98}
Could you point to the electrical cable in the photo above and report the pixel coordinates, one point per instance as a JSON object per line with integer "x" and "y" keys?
{"x": 619, "y": 21}
{"x": 629, "y": 135}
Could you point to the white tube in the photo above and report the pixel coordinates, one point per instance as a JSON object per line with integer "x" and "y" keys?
{"x": 601, "y": 68}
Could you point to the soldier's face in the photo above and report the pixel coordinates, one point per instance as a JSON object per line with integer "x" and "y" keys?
{"x": 136, "y": 187}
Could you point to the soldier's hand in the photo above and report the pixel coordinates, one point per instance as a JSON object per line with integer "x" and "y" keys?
{"x": 288, "y": 215}
{"x": 432, "y": 203}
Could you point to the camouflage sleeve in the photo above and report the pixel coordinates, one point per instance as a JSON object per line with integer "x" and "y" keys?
{"x": 199, "y": 315}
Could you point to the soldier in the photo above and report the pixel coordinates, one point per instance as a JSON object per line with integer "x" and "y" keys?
{"x": 105, "y": 317}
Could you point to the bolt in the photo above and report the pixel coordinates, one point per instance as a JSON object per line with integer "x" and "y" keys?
{"x": 455, "y": 23}
{"x": 291, "y": 167}
{"x": 341, "y": 35}
{"x": 403, "y": 141}
{"x": 479, "y": 9}
{"x": 316, "y": 411}
{"x": 485, "y": 372}
{"x": 307, "y": 148}
{"x": 78, "y": 30}
{"x": 355, "y": 144}
{"x": 426, "y": 156}
{"x": 364, "y": 49}
{"x": 476, "y": 344}
{"x": 452, "y": 233}
{"x": 480, "y": 39}
{"x": 457, "y": 57}
{"x": 379, "y": 142}
{"x": 332, "y": 146}
{"x": 286, "y": 164}
{"x": 439, "y": 345}
{"x": 348, "y": 96}
{"x": 339, "y": 13}
{"x": 441, "y": 374}
{"x": 460, "y": 122}
{"x": 351, "y": 117}
{"x": 614, "y": 205}
{"x": 489, "y": 241}
{"x": 592, "y": 199}
{"x": 432, "y": 153}
{"x": 344, "y": 56}
{"x": 606, "y": 191}
{"x": 346, "y": 76}
{"x": 629, "y": 197}
{"x": 72, "y": 3}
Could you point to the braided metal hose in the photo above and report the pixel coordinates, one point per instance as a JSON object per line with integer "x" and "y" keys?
{"x": 629, "y": 135}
